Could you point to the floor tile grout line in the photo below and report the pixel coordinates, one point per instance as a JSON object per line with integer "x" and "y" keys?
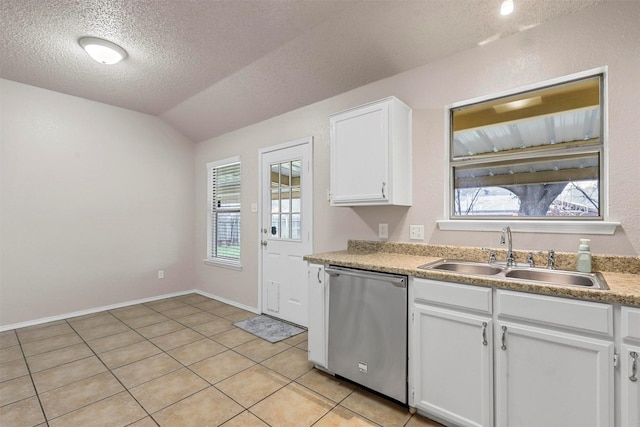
{"x": 114, "y": 376}
{"x": 40, "y": 339}
{"x": 289, "y": 381}
{"x": 33, "y": 384}
{"x": 161, "y": 350}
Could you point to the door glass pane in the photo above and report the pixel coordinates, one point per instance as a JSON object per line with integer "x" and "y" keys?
{"x": 275, "y": 225}
{"x": 284, "y": 227}
{"x": 295, "y": 226}
{"x": 275, "y": 201}
{"x": 285, "y": 173}
{"x": 295, "y": 199}
{"x": 286, "y": 200}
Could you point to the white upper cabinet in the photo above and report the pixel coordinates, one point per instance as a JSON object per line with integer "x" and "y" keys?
{"x": 371, "y": 155}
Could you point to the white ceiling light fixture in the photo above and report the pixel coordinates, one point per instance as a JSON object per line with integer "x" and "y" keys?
{"x": 103, "y": 51}
{"x": 506, "y": 8}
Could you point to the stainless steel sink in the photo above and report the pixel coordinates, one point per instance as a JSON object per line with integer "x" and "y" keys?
{"x": 534, "y": 275}
{"x": 558, "y": 277}
{"x": 463, "y": 267}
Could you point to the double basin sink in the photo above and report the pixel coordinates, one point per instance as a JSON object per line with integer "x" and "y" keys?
{"x": 527, "y": 274}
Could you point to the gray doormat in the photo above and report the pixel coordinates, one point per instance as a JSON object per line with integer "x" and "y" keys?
{"x": 268, "y": 328}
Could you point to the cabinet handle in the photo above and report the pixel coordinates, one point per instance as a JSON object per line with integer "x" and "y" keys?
{"x": 383, "y": 196}
{"x": 319, "y": 269}
{"x": 504, "y": 338}
{"x": 484, "y": 333}
{"x": 634, "y": 366}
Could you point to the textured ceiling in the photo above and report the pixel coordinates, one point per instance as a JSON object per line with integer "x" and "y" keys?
{"x": 212, "y": 66}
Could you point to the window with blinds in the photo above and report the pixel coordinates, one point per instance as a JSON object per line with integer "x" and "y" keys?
{"x": 224, "y": 211}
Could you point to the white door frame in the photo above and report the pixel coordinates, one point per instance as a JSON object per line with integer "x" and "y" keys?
{"x": 308, "y": 216}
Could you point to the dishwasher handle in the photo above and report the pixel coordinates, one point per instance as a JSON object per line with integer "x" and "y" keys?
{"x": 398, "y": 281}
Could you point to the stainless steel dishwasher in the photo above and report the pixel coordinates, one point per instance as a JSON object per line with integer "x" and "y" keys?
{"x": 367, "y": 340}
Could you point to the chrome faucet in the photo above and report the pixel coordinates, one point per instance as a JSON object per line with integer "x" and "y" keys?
{"x": 551, "y": 260}
{"x": 506, "y": 238}
{"x": 530, "y": 260}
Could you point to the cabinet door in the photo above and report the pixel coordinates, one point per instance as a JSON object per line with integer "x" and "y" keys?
{"x": 549, "y": 378}
{"x": 451, "y": 365}
{"x": 317, "y": 326}
{"x": 630, "y": 380}
{"x": 360, "y": 155}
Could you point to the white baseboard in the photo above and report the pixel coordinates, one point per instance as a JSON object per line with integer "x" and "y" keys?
{"x": 227, "y": 301}
{"x": 123, "y": 304}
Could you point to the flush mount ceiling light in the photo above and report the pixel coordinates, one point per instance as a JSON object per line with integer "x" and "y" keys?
{"x": 103, "y": 51}
{"x": 507, "y": 7}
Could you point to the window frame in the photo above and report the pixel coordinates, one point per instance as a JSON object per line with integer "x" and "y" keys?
{"x": 211, "y": 237}
{"x": 600, "y": 225}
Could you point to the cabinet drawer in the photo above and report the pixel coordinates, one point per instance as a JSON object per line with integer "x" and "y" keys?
{"x": 453, "y": 295}
{"x": 631, "y": 323}
{"x": 562, "y": 312}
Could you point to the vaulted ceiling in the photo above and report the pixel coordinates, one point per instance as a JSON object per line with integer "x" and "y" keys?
{"x": 211, "y": 66}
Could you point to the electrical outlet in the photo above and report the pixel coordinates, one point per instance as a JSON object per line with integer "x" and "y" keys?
{"x": 383, "y": 231}
{"x": 160, "y": 274}
{"x": 416, "y": 232}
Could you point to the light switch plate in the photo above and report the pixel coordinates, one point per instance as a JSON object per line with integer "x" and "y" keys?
{"x": 416, "y": 232}
{"x": 383, "y": 231}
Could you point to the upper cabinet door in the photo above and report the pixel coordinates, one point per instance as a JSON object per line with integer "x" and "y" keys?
{"x": 371, "y": 155}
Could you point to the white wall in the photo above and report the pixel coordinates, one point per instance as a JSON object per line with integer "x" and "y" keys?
{"x": 606, "y": 35}
{"x": 94, "y": 201}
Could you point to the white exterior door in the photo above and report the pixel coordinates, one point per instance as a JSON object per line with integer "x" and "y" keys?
{"x": 285, "y": 229}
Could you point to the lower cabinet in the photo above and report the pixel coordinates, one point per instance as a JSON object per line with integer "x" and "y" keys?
{"x": 630, "y": 380}
{"x": 630, "y": 367}
{"x": 317, "y": 322}
{"x": 534, "y": 360}
{"x": 452, "y": 362}
{"x": 554, "y": 361}
{"x": 451, "y": 356}
{"x": 548, "y": 378}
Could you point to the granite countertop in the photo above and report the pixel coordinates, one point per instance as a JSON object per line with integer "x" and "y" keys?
{"x": 624, "y": 284}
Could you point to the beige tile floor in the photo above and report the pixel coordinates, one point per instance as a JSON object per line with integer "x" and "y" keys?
{"x": 174, "y": 362}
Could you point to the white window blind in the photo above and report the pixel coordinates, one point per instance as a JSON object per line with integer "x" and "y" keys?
{"x": 224, "y": 211}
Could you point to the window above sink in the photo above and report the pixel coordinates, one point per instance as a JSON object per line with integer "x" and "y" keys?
{"x": 535, "y": 155}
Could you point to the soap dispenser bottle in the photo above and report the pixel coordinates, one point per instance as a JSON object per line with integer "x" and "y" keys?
{"x": 584, "y": 256}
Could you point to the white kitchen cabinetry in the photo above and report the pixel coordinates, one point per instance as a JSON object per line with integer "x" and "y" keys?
{"x": 630, "y": 368}
{"x": 554, "y": 361}
{"x": 371, "y": 155}
{"x": 451, "y": 365}
{"x": 317, "y": 326}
